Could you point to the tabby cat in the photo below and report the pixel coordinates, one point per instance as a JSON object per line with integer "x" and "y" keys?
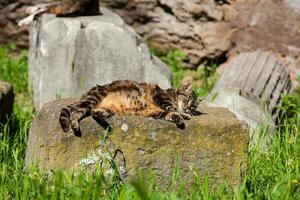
{"x": 131, "y": 98}
{"x": 63, "y": 8}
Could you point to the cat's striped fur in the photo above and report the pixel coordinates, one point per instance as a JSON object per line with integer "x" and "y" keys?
{"x": 131, "y": 98}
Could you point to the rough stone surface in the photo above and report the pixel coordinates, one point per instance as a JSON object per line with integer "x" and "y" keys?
{"x": 294, "y": 4}
{"x": 205, "y": 30}
{"x": 251, "y": 112}
{"x": 215, "y": 142}
{"x": 6, "y": 100}
{"x": 199, "y": 28}
{"x": 11, "y": 11}
{"x": 269, "y": 25}
{"x": 252, "y": 84}
{"x": 8, "y": 17}
{"x": 68, "y": 56}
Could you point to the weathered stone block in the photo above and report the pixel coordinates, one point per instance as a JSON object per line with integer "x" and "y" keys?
{"x": 6, "y": 101}
{"x": 251, "y": 86}
{"x": 68, "y": 56}
{"x": 215, "y": 142}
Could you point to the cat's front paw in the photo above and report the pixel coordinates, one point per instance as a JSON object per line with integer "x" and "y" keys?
{"x": 101, "y": 113}
{"x": 174, "y": 117}
{"x": 186, "y": 116}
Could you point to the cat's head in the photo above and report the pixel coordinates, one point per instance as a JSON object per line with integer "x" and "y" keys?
{"x": 187, "y": 100}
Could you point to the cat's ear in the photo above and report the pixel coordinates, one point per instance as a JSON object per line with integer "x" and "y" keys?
{"x": 187, "y": 87}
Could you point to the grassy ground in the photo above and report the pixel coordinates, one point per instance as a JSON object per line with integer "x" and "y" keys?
{"x": 273, "y": 173}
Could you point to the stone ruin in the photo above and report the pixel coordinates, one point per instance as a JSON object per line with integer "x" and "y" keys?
{"x": 71, "y": 55}
{"x": 215, "y": 142}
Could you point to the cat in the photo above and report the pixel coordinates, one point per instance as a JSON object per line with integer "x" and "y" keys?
{"x": 131, "y": 98}
{"x": 63, "y": 8}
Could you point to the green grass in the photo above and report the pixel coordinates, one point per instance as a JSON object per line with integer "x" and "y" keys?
{"x": 273, "y": 173}
{"x": 175, "y": 60}
{"x": 205, "y": 75}
{"x": 13, "y": 68}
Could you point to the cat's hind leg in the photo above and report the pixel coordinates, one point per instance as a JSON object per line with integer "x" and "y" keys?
{"x": 76, "y": 116}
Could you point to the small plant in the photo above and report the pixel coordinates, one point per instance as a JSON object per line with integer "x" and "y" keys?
{"x": 291, "y": 103}
{"x": 174, "y": 59}
{"x": 208, "y": 77}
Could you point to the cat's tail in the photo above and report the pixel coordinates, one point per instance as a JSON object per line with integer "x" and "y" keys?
{"x": 73, "y": 113}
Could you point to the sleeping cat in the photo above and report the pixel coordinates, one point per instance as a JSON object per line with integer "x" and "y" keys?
{"x": 63, "y": 8}
{"x": 131, "y": 98}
